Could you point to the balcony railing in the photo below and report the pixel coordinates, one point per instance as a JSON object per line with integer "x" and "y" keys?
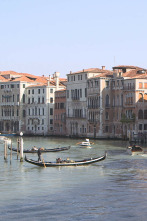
{"x": 128, "y": 88}
{"x": 76, "y": 116}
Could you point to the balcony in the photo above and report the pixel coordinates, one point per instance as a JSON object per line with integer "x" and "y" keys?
{"x": 76, "y": 116}
{"x": 126, "y": 119}
{"x": 128, "y": 88}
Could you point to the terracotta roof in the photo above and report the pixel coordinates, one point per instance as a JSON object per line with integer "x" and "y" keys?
{"x": 137, "y": 73}
{"x": 23, "y": 78}
{"x": 91, "y": 70}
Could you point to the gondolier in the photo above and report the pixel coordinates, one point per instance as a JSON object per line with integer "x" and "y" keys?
{"x": 39, "y": 154}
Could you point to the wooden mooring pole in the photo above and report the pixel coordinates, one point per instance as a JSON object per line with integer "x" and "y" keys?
{"x": 11, "y": 153}
{"x": 21, "y": 147}
{"x": 5, "y": 150}
{"x": 17, "y": 148}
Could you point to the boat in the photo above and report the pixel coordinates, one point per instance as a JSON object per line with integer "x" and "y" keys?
{"x": 43, "y": 150}
{"x": 85, "y": 143}
{"x": 134, "y": 149}
{"x": 66, "y": 162}
{"x": 3, "y": 139}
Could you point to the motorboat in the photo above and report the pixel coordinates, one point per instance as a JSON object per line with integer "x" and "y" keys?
{"x": 85, "y": 143}
{"x": 135, "y": 149}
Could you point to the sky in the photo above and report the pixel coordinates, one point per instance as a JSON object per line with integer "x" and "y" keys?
{"x": 41, "y": 37}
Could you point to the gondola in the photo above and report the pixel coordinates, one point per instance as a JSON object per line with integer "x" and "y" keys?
{"x": 65, "y": 162}
{"x": 43, "y": 150}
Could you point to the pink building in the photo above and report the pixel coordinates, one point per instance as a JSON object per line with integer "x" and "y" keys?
{"x": 60, "y": 113}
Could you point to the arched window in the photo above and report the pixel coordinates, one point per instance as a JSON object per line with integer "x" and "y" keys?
{"x": 107, "y": 100}
{"x": 140, "y": 114}
{"x": 140, "y": 97}
{"x": 145, "y": 97}
{"x": 145, "y": 114}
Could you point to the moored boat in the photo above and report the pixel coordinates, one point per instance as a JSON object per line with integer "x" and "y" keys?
{"x": 43, "y": 150}
{"x": 67, "y": 162}
{"x": 134, "y": 149}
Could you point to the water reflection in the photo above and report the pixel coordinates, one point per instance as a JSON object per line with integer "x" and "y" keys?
{"x": 107, "y": 190}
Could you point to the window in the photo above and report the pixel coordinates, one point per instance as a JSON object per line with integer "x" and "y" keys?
{"x": 42, "y": 100}
{"x": 51, "y": 121}
{"x": 38, "y": 91}
{"x": 145, "y": 85}
{"x": 51, "y": 100}
{"x": 32, "y": 91}
{"x": 24, "y": 113}
{"x": 145, "y": 114}
{"x": 145, "y": 126}
{"x": 51, "y": 111}
{"x": 140, "y": 114}
{"x": 28, "y": 100}
{"x": 2, "y": 86}
{"x": 107, "y": 100}
{"x": 80, "y": 92}
{"x": 107, "y": 84}
{"x": 28, "y": 91}
{"x": 140, "y": 97}
{"x": 43, "y": 90}
{"x": 17, "y": 85}
{"x": 12, "y": 85}
{"x": 106, "y": 129}
{"x": 24, "y": 86}
{"x": 67, "y": 93}
{"x": 42, "y": 111}
{"x": 17, "y": 97}
{"x": 51, "y": 90}
{"x": 42, "y": 121}
{"x": 145, "y": 97}
{"x": 85, "y": 92}
{"x": 23, "y": 98}
{"x": 107, "y": 115}
{"x": 32, "y": 100}
{"x": 140, "y": 126}
{"x": 140, "y": 85}
{"x": 38, "y": 100}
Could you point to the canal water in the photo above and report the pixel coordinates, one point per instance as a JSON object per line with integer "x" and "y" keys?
{"x": 113, "y": 189}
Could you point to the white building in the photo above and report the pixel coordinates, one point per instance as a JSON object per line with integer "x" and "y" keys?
{"x": 76, "y": 106}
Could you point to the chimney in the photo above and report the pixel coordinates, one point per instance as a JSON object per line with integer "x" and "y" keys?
{"x": 56, "y": 77}
{"x": 103, "y": 67}
{"x": 70, "y": 72}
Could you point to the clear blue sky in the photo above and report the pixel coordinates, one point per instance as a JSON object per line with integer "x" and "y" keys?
{"x": 44, "y": 36}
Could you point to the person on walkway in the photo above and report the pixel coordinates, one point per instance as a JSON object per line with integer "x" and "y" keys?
{"x": 39, "y": 154}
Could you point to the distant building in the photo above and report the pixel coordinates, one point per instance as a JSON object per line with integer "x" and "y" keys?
{"x": 60, "y": 113}
{"x": 76, "y": 106}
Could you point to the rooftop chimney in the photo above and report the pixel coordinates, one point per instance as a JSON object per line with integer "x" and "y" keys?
{"x": 103, "y": 67}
